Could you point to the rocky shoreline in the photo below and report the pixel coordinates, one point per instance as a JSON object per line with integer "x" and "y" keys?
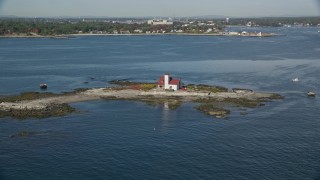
{"x": 211, "y": 100}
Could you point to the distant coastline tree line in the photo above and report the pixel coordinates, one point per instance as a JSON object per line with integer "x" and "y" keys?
{"x": 54, "y": 28}
{"x": 28, "y": 26}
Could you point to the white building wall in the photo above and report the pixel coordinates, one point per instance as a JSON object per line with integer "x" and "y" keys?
{"x": 173, "y": 87}
{"x": 166, "y": 81}
{"x": 160, "y": 22}
{"x": 170, "y": 86}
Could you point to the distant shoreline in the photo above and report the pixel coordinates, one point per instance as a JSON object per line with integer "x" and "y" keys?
{"x": 64, "y": 36}
{"x": 180, "y": 34}
{"x": 39, "y": 36}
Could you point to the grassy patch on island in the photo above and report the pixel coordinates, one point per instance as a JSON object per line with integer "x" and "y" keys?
{"x": 27, "y": 96}
{"x": 206, "y": 88}
{"x": 125, "y": 84}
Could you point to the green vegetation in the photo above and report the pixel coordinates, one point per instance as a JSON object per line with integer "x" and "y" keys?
{"x": 28, "y": 96}
{"x": 125, "y": 84}
{"x": 53, "y": 27}
{"x": 206, "y": 88}
{"x": 147, "y": 87}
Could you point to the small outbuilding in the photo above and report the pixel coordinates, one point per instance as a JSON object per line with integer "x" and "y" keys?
{"x": 166, "y": 82}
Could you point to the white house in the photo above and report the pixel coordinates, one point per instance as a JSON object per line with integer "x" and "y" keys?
{"x": 168, "y": 83}
{"x": 160, "y": 22}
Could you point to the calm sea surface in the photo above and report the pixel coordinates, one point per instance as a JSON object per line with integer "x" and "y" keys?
{"x": 131, "y": 140}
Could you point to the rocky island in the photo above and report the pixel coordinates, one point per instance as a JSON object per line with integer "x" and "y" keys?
{"x": 212, "y": 100}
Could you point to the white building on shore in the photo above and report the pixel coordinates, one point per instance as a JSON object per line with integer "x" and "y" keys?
{"x": 160, "y": 22}
{"x": 166, "y": 82}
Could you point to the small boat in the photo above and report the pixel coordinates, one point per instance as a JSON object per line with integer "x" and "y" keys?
{"x": 295, "y": 80}
{"x": 311, "y": 93}
{"x": 43, "y": 86}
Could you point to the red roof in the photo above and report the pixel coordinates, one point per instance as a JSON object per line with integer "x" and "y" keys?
{"x": 171, "y": 82}
{"x": 161, "y": 81}
{"x": 174, "y": 82}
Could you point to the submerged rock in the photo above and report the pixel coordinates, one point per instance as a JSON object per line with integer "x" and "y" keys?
{"x": 243, "y": 113}
{"x": 210, "y": 109}
{"x": 22, "y": 134}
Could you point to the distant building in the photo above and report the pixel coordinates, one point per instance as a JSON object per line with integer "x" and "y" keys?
{"x": 209, "y": 30}
{"x": 234, "y": 33}
{"x": 179, "y": 31}
{"x": 168, "y": 83}
{"x": 227, "y": 20}
{"x": 160, "y": 22}
{"x": 138, "y": 31}
{"x": 125, "y": 32}
{"x": 244, "y": 33}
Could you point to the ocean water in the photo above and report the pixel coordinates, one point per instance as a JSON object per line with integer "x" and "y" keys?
{"x": 131, "y": 140}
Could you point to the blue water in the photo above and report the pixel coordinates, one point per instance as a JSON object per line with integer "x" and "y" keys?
{"x": 131, "y": 140}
